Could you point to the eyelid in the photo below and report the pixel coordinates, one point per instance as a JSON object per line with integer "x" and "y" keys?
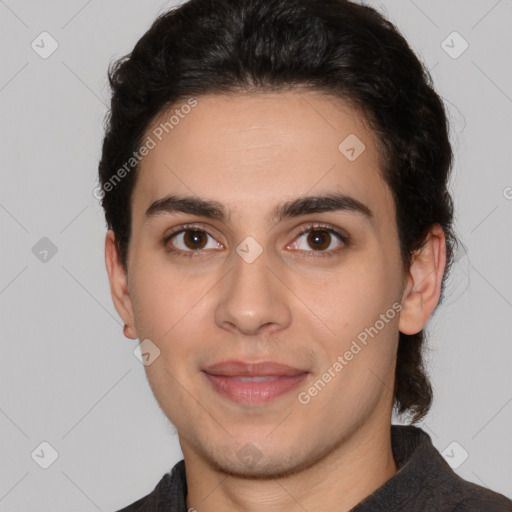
{"x": 344, "y": 237}
{"x": 186, "y": 227}
{"x": 338, "y": 232}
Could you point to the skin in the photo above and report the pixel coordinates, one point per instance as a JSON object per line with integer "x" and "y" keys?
{"x": 250, "y": 153}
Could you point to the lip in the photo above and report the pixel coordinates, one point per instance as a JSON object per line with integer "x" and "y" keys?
{"x": 242, "y": 369}
{"x": 253, "y": 383}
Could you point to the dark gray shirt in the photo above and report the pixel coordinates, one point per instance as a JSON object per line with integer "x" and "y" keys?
{"x": 424, "y": 482}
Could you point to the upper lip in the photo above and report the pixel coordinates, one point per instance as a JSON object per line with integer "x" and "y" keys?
{"x": 241, "y": 369}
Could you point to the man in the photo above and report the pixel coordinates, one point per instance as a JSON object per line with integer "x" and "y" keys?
{"x": 274, "y": 177}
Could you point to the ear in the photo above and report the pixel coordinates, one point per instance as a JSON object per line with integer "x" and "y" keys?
{"x": 119, "y": 285}
{"x": 423, "y": 282}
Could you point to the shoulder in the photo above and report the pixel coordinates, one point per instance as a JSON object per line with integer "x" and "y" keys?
{"x": 137, "y": 506}
{"x": 475, "y": 498}
{"x": 149, "y": 503}
{"x": 427, "y": 482}
{"x": 169, "y": 494}
{"x": 460, "y": 495}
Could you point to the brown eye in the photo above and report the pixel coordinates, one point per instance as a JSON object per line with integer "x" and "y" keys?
{"x": 190, "y": 241}
{"x": 194, "y": 239}
{"x": 321, "y": 239}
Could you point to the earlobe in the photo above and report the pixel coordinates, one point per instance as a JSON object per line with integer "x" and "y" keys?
{"x": 423, "y": 283}
{"x": 119, "y": 286}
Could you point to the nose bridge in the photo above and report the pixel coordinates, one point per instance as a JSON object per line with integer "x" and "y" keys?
{"x": 252, "y": 295}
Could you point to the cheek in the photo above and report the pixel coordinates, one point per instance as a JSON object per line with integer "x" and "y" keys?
{"x": 158, "y": 303}
{"x": 359, "y": 306}
{"x": 164, "y": 296}
{"x": 350, "y": 296}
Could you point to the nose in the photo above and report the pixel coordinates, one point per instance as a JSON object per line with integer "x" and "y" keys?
{"x": 253, "y": 298}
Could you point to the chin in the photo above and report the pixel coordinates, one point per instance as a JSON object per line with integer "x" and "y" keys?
{"x": 261, "y": 463}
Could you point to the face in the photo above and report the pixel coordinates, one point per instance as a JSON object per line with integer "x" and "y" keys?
{"x": 317, "y": 288}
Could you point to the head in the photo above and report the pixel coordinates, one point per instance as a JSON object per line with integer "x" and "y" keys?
{"x": 251, "y": 106}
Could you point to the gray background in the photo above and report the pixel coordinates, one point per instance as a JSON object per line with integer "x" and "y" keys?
{"x": 67, "y": 374}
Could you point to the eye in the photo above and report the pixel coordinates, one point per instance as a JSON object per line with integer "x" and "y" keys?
{"x": 189, "y": 239}
{"x": 320, "y": 238}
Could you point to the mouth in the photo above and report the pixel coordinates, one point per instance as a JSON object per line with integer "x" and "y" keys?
{"x": 253, "y": 383}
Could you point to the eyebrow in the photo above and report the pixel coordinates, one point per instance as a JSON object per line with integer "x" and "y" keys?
{"x": 289, "y": 209}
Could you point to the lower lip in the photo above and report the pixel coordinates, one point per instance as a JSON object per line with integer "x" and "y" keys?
{"x": 255, "y": 392}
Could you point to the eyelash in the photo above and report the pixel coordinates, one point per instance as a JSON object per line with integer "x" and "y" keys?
{"x": 314, "y": 227}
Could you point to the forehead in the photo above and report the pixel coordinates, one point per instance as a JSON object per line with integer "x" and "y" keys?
{"x": 252, "y": 150}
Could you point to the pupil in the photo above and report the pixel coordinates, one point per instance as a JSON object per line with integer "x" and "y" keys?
{"x": 316, "y": 238}
{"x": 195, "y": 236}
